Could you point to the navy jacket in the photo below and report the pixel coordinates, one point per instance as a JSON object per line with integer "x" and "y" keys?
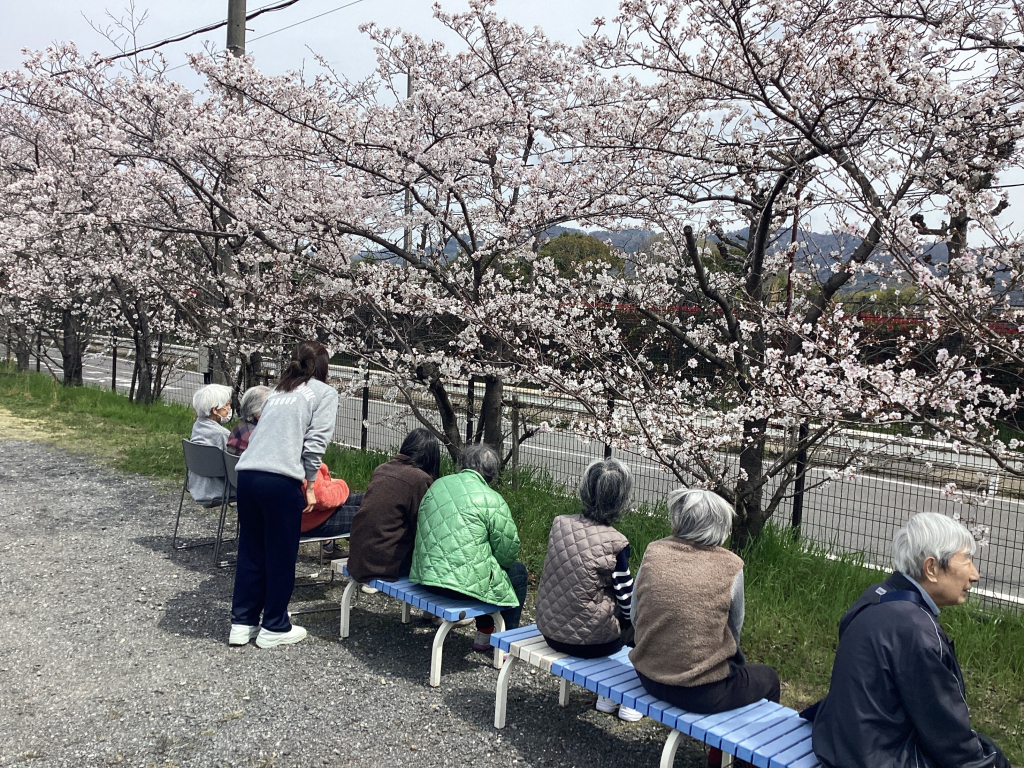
{"x": 897, "y": 693}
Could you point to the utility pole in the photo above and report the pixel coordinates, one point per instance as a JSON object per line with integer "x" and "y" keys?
{"x": 236, "y": 27}
{"x": 407, "y": 240}
{"x": 221, "y": 365}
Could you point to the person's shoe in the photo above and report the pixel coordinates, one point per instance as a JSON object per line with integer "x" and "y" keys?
{"x": 366, "y": 589}
{"x": 482, "y": 641}
{"x": 604, "y": 704}
{"x": 714, "y": 757}
{"x": 241, "y": 634}
{"x": 328, "y": 548}
{"x": 437, "y": 621}
{"x": 629, "y": 714}
{"x": 267, "y": 639}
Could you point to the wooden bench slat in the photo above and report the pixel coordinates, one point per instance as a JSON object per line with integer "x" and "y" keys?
{"x": 746, "y": 748}
{"x": 714, "y": 735}
{"x": 766, "y": 752}
{"x": 504, "y": 640}
{"x": 627, "y": 694}
{"x": 795, "y": 753}
{"x": 575, "y": 671}
{"x": 767, "y": 717}
{"x": 605, "y": 685}
{"x": 807, "y": 761}
{"x": 709, "y": 723}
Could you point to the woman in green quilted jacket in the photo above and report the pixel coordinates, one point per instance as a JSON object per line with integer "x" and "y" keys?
{"x": 467, "y": 542}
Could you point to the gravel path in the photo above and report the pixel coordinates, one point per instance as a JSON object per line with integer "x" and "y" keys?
{"x": 113, "y": 651}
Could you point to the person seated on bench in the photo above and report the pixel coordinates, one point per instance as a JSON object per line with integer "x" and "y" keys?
{"x": 212, "y": 404}
{"x": 897, "y": 693}
{"x": 585, "y": 592}
{"x": 334, "y": 510}
{"x": 467, "y": 542}
{"x": 688, "y": 613}
{"x": 384, "y": 528}
{"x": 249, "y": 410}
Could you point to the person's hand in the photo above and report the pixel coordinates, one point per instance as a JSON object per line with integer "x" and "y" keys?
{"x": 310, "y": 498}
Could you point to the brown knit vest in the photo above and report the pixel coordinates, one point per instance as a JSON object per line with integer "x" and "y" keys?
{"x": 681, "y": 606}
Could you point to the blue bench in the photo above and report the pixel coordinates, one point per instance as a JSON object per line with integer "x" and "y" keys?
{"x": 764, "y": 733}
{"x": 449, "y": 610}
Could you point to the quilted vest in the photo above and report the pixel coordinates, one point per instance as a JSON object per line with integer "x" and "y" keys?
{"x": 575, "y": 599}
{"x": 681, "y": 602}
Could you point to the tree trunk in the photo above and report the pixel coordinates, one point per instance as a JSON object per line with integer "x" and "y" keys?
{"x": 750, "y": 517}
{"x": 144, "y": 366}
{"x": 450, "y": 434}
{"x": 490, "y": 412}
{"x": 73, "y": 343}
{"x": 22, "y": 348}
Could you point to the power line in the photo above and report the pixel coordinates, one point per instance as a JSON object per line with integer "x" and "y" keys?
{"x": 282, "y": 29}
{"x": 209, "y": 28}
{"x": 311, "y": 18}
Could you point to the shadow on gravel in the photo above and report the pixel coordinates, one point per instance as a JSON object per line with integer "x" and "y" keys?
{"x": 544, "y": 733}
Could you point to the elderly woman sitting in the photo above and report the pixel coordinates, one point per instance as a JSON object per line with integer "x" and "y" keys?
{"x": 249, "y": 411}
{"x": 585, "y": 592}
{"x": 467, "y": 543}
{"x": 688, "y": 613}
{"x": 212, "y": 404}
{"x": 897, "y": 693}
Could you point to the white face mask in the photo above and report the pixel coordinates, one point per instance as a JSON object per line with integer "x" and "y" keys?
{"x": 228, "y": 417}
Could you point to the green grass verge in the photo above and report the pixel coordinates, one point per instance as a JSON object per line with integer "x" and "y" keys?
{"x": 795, "y": 595}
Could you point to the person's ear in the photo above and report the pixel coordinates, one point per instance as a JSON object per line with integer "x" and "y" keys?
{"x": 930, "y": 570}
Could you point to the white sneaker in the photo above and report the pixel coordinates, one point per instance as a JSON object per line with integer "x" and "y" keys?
{"x": 267, "y": 639}
{"x": 368, "y": 590}
{"x": 241, "y": 634}
{"x": 604, "y": 704}
{"x": 628, "y": 714}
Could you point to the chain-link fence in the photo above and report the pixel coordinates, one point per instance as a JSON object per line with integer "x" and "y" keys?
{"x": 847, "y": 514}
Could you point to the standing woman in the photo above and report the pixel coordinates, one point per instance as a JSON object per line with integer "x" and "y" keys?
{"x": 296, "y": 424}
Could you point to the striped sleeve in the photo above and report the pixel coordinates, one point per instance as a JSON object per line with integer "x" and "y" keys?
{"x": 622, "y": 583}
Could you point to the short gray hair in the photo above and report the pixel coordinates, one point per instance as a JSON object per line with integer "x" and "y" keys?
{"x": 700, "y": 516}
{"x": 605, "y": 489}
{"x": 483, "y": 459}
{"x": 929, "y": 534}
{"x": 209, "y": 397}
{"x": 252, "y": 403}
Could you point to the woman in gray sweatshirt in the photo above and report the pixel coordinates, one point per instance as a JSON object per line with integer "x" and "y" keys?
{"x": 295, "y": 427}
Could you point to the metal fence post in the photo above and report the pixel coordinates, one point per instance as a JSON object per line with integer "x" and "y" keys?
{"x": 470, "y": 407}
{"x": 798, "y": 488}
{"x": 113, "y": 363}
{"x": 608, "y": 446}
{"x": 364, "y": 432}
{"x": 515, "y": 442}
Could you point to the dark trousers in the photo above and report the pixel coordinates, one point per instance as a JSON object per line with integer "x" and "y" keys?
{"x": 269, "y": 517}
{"x": 340, "y": 523}
{"x": 593, "y": 651}
{"x": 747, "y": 683}
{"x": 517, "y": 575}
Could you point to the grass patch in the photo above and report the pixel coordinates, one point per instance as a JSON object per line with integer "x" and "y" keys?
{"x": 795, "y": 595}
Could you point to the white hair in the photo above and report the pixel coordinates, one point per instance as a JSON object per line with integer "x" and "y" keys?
{"x": 483, "y": 459}
{"x": 700, "y": 516}
{"x": 929, "y": 534}
{"x": 209, "y": 397}
{"x": 252, "y": 403}
{"x": 605, "y": 489}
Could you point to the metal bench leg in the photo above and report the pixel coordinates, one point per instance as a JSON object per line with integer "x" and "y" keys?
{"x": 668, "y": 754}
{"x": 499, "y": 626}
{"x": 563, "y": 692}
{"x": 406, "y": 613}
{"x": 501, "y": 693}
{"x": 346, "y": 605}
{"x": 435, "y": 653}
{"x": 727, "y": 760}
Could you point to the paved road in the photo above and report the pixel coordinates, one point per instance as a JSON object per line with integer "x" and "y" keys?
{"x": 861, "y": 514}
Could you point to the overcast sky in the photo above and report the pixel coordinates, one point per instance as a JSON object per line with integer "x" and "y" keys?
{"x": 336, "y": 35}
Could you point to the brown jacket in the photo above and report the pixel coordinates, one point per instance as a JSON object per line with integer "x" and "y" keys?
{"x": 384, "y": 529}
{"x": 681, "y": 605}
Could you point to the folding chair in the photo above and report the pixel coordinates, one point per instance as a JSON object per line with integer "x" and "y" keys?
{"x": 230, "y": 492}
{"x": 204, "y": 461}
